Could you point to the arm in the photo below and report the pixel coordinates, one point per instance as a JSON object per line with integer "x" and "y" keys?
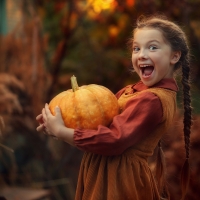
{"x": 140, "y": 117}
{"x": 53, "y": 125}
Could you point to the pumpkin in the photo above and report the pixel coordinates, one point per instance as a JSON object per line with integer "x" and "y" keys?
{"x": 87, "y": 106}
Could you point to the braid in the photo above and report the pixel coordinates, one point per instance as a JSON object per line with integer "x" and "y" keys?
{"x": 178, "y": 41}
{"x": 187, "y": 121}
{"x": 187, "y": 107}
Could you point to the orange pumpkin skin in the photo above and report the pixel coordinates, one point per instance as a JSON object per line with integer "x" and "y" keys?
{"x": 87, "y": 107}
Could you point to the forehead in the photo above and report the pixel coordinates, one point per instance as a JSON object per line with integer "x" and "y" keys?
{"x": 148, "y": 34}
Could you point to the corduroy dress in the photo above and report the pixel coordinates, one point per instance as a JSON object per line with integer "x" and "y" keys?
{"x": 126, "y": 176}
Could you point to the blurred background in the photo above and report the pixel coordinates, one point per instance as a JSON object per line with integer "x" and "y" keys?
{"x": 42, "y": 44}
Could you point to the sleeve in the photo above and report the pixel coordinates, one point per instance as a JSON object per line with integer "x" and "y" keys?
{"x": 140, "y": 117}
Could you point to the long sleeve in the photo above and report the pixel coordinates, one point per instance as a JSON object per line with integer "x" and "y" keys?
{"x": 139, "y": 118}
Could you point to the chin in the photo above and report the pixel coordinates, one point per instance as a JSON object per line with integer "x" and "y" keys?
{"x": 148, "y": 84}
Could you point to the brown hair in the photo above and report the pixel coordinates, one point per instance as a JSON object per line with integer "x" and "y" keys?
{"x": 178, "y": 42}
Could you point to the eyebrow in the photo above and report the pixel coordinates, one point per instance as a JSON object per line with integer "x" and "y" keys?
{"x": 134, "y": 42}
{"x": 153, "y": 41}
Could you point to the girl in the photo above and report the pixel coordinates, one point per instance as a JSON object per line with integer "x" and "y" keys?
{"x": 114, "y": 166}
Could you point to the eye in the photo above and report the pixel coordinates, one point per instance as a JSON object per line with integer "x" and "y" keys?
{"x": 152, "y": 47}
{"x": 136, "y": 49}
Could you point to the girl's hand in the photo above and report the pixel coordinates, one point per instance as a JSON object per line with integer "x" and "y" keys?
{"x": 52, "y": 124}
{"x": 41, "y": 127}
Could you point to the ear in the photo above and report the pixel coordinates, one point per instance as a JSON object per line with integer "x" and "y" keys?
{"x": 175, "y": 57}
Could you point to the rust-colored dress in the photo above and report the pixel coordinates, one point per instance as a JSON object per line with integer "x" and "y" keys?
{"x": 125, "y": 175}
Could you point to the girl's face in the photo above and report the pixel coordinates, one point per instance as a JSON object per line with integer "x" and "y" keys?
{"x": 152, "y": 56}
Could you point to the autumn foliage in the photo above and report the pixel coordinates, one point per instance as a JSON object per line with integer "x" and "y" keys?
{"x": 57, "y": 39}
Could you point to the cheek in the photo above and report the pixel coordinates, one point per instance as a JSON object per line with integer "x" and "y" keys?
{"x": 155, "y": 58}
{"x": 134, "y": 63}
{"x": 133, "y": 59}
{"x": 160, "y": 57}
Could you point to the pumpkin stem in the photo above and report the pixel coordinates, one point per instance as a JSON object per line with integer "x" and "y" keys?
{"x": 74, "y": 84}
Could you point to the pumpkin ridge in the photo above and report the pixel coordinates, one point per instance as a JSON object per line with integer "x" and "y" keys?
{"x": 64, "y": 102}
{"x": 112, "y": 98}
{"x": 90, "y": 116}
{"x": 78, "y": 117}
{"x": 59, "y": 99}
{"x": 100, "y": 105}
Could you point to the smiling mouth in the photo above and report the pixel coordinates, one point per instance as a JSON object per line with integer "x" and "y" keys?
{"x": 146, "y": 70}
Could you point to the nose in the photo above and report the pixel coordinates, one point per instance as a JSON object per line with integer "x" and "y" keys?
{"x": 142, "y": 54}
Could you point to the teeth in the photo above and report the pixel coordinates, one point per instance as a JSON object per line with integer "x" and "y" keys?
{"x": 144, "y": 66}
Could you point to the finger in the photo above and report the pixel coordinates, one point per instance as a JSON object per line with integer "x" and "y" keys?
{"x": 58, "y": 114}
{"x": 39, "y": 118}
{"x": 47, "y": 111}
{"x": 40, "y": 128}
{"x": 44, "y": 115}
{"x": 57, "y": 111}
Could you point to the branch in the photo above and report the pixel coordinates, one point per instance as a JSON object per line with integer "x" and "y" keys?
{"x": 60, "y": 53}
